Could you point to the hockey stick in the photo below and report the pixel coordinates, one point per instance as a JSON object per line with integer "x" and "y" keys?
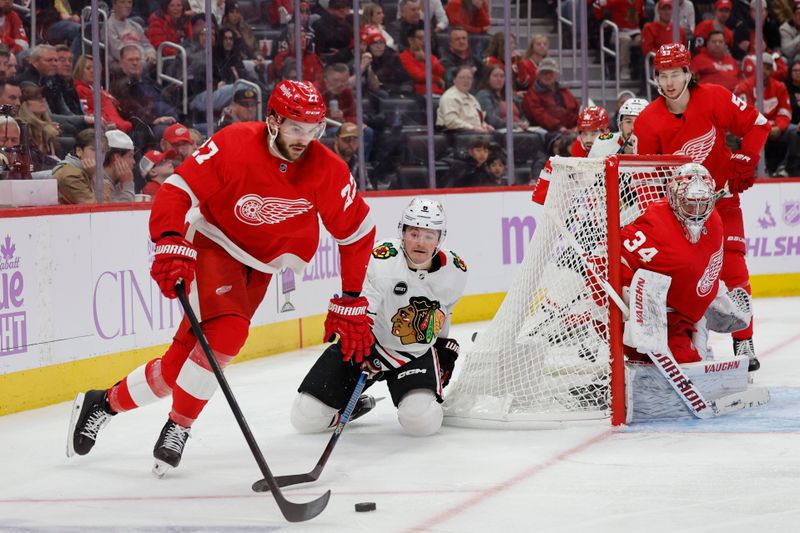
{"x": 293, "y": 512}
{"x": 698, "y": 405}
{"x": 294, "y": 479}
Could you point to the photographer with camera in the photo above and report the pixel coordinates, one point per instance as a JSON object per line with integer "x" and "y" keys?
{"x": 14, "y": 163}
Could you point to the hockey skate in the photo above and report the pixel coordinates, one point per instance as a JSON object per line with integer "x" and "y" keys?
{"x": 364, "y": 405}
{"x": 169, "y": 447}
{"x": 90, "y": 414}
{"x": 745, "y": 347}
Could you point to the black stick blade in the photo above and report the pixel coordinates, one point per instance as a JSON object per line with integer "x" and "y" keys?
{"x": 300, "y": 512}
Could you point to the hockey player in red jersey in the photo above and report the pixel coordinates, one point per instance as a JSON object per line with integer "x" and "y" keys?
{"x": 242, "y": 207}
{"x": 592, "y": 122}
{"x": 681, "y": 237}
{"x": 693, "y": 120}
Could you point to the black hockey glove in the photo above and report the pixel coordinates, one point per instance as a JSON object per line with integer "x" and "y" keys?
{"x": 447, "y": 350}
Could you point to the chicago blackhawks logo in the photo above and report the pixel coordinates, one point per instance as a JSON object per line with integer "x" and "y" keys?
{"x": 419, "y": 322}
{"x": 709, "y": 278}
{"x": 699, "y": 148}
{"x": 458, "y": 262}
{"x": 384, "y": 250}
{"x": 254, "y": 210}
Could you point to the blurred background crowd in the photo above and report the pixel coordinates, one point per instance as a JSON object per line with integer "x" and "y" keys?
{"x": 155, "y": 97}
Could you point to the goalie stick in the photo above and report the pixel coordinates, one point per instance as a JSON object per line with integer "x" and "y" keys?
{"x": 313, "y": 475}
{"x": 293, "y": 512}
{"x": 665, "y": 363}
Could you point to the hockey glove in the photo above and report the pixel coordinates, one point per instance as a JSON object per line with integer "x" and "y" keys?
{"x": 174, "y": 261}
{"x": 447, "y": 350}
{"x": 347, "y": 317}
{"x": 741, "y": 171}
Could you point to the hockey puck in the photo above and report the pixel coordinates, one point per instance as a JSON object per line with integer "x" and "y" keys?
{"x": 365, "y": 507}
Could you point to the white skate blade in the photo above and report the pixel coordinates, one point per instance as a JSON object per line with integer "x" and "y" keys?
{"x": 160, "y": 468}
{"x": 77, "y": 405}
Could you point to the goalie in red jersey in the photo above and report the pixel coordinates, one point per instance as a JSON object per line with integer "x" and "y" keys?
{"x": 693, "y": 120}
{"x": 242, "y": 207}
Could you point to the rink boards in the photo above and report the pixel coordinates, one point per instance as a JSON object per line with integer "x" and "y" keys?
{"x": 78, "y": 308}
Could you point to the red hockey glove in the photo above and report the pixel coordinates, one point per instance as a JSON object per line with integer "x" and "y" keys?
{"x": 741, "y": 171}
{"x": 447, "y": 350}
{"x": 348, "y": 318}
{"x": 174, "y": 261}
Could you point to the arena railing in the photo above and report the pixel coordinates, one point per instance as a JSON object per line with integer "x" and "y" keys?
{"x": 182, "y": 82}
{"x": 611, "y": 52}
{"x": 86, "y": 15}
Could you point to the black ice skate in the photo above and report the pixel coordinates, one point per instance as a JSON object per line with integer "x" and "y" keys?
{"x": 90, "y": 414}
{"x": 364, "y": 405}
{"x": 169, "y": 447}
{"x": 746, "y": 347}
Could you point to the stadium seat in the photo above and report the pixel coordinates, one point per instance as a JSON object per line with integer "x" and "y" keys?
{"x": 526, "y": 144}
{"x": 462, "y": 140}
{"x": 409, "y": 109}
{"x": 412, "y": 177}
{"x": 417, "y": 148}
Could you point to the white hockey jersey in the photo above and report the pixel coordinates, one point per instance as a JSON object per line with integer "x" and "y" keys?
{"x": 610, "y": 144}
{"x": 411, "y": 308}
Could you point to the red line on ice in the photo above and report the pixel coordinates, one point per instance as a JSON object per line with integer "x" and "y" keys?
{"x": 503, "y": 486}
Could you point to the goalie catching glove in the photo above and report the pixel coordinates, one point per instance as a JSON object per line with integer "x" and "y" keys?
{"x": 174, "y": 260}
{"x": 347, "y": 317}
{"x": 741, "y": 171}
{"x": 447, "y": 350}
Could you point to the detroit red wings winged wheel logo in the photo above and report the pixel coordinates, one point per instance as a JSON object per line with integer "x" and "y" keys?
{"x": 710, "y": 275}
{"x": 254, "y": 210}
{"x": 699, "y": 147}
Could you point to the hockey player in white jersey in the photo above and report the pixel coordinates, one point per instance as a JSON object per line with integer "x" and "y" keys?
{"x": 622, "y": 141}
{"x": 412, "y": 286}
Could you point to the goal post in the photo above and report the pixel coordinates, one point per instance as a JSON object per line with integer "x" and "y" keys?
{"x": 553, "y": 354}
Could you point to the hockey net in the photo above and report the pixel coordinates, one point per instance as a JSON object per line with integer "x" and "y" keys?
{"x": 553, "y": 352}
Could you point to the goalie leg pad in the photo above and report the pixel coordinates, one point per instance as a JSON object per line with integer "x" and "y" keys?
{"x": 310, "y": 415}
{"x": 420, "y": 413}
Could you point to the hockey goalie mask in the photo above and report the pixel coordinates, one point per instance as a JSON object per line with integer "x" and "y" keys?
{"x": 691, "y": 195}
{"x": 427, "y": 214}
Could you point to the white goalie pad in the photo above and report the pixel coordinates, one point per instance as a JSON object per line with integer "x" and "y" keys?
{"x": 650, "y": 397}
{"x": 729, "y": 311}
{"x": 646, "y": 324}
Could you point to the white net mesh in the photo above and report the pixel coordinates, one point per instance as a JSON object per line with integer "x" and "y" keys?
{"x": 544, "y": 358}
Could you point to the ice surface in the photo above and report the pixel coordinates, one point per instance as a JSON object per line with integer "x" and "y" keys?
{"x": 731, "y": 474}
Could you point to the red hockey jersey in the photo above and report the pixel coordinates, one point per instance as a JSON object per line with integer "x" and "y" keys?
{"x": 656, "y": 241}
{"x": 777, "y": 107}
{"x": 700, "y": 131}
{"x": 263, "y": 210}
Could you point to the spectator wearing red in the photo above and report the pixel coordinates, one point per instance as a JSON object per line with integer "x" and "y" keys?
{"x": 496, "y": 54}
{"x": 168, "y": 24}
{"x": 628, "y": 16}
{"x": 777, "y": 110}
{"x": 177, "y": 143}
{"x": 722, "y": 12}
{"x": 413, "y": 60}
{"x": 659, "y": 32}
{"x": 781, "y": 68}
{"x": 11, "y": 29}
{"x": 312, "y": 64}
{"x": 83, "y": 78}
{"x": 546, "y": 103}
{"x": 472, "y": 15}
{"x": 155, "y": 167}
{"x": 715, "y": 64}
{"x": 537, "y": 50}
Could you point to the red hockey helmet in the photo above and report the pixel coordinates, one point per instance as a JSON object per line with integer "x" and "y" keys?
{"x": 593, "y": 118}
{"x": 672, "y": 55}
{"x": 297, "y": 100}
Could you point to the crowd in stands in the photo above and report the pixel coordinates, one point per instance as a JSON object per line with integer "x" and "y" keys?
{"x": 47, "y": 91}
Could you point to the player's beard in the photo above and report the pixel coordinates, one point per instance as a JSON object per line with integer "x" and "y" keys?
{"x": 287, "y": 150}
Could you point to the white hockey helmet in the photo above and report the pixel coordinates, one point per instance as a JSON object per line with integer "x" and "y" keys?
{"x": 690, "y": 192}
{"x": 424, "y": 213}
{"x": 632, "y": 107}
